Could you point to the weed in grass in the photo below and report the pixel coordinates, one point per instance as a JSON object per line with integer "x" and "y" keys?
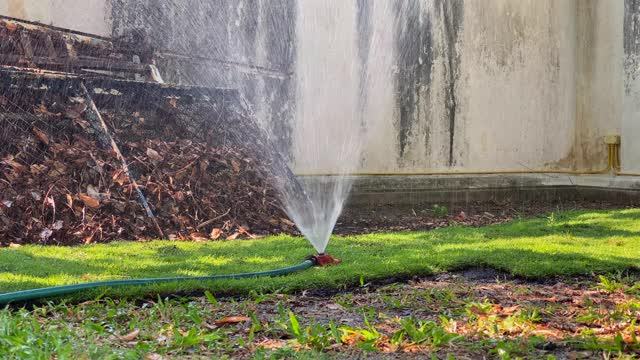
{"x": 314, "y": 336}
{"x": 392, "y": 302}
{"x": 610, "y": 285}
{"x": 479, "y": 308}
{"x": 445, "y": 297}
{"x": 619, "y": 282}
{"x": 531, "y": 315}
{"x": 507, "y": 350}
{"x": 423, "y": 333}
{"x": 440, "y": 211}
{"x": 346, "y": 301}
{"x": 365, "y": 338}
{"x": 212, "y": 299}
{"x": 524, "y": 290}
{"x": 288, "y": 353}
{"x": 260, "y": 297}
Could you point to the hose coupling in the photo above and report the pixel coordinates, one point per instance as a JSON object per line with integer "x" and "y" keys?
{"x": 324, "y": 259}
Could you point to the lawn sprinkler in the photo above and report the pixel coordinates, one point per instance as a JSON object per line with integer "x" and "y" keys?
{"x": 323, "y": 259}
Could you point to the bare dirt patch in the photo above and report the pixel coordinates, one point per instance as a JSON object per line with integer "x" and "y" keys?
{"x": 473, "y": 314}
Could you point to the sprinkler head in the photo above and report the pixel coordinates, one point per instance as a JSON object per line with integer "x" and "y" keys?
{"x": 324, "y": 260}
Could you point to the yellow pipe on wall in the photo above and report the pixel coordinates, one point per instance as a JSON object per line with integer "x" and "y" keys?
{"x": 615, "y": 162}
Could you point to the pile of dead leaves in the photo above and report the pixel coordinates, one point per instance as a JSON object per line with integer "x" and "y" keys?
{"x": 58, "y": 187}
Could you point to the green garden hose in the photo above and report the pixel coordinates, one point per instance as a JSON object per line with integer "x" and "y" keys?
{"x": 36, "y": 294}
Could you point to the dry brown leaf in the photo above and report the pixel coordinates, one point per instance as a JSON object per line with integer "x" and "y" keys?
{"x": 476, "y": 310}
{"x": 42, "y": 110}
{"x": 88, "y": 239}
{"x": 75, "y": 111}
{"x": 233, "y": 236}
{"x": 10, "y": 26}
{"x": 36, "y": 169}
{"x": 244, "y": 231}
{"x": 198, "y": 236}
{"x": 236, "y": 165}
{"x": 287, "y": 222}
{"x": 15, "y": 165}
{"x": 510, "y": 310}
{"x": 215, "y": 234}
{"x": 59, "y": 169}
{"x": 231, "y": 320}
{"x": 41, "y": 135}
{"x": 89, "y": 201}
{"x": 154, "y": 155}
{"x": 14, "y": 245}
{"x": 130, "y": 336}
{"x": 153, "y": 356}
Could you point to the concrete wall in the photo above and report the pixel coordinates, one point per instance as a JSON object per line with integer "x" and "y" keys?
{"x": 91, "y": 16}
{"x": 426, "y": 85}
{"x": 472, "y": 85}
{"x": 600, "y": 79}
{"x": 475, "y": 85}
{"x": 631, "y": 117}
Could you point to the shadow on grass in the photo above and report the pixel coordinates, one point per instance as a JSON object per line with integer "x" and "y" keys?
{"x": 533, "y": 264}
{"x": 625, "y": 215}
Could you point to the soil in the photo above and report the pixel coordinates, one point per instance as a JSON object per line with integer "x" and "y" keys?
{"x": 569, "y": 318}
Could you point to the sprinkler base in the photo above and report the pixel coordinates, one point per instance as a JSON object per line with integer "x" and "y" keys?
{"x": 324, "y": 260}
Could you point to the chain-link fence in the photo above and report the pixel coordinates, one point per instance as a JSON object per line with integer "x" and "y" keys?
{"x": 82, "y": 166}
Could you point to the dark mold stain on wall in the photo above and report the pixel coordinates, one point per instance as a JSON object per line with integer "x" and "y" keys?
{"x": 365, "y": 9}
{"x": 632, "y": 39}
{"x": 364, "y": 33}
{"x": 415, "y": 57}
{"x": 280, "y": 17}
{"x": 632, "y": 27}
{"x": 414, "y": 62}
{"x": 451, "y": 14}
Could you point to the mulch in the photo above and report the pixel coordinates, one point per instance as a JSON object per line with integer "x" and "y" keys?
{"x": 57, "y": 186}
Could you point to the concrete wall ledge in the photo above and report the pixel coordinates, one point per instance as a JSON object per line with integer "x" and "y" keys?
{"x": 401, "y": 190}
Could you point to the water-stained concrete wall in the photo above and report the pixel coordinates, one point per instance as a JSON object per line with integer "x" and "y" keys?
{"x": 460, "y": 85}
{"x": 631, "y": 117}
{"x": 600, "y": 82}
{"x": 453, "y": 84}
{"x": 435, "y": 85}
{"x": 471, "y": 85}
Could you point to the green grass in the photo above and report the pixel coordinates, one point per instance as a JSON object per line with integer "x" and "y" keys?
{"x": 567, "y": 243}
